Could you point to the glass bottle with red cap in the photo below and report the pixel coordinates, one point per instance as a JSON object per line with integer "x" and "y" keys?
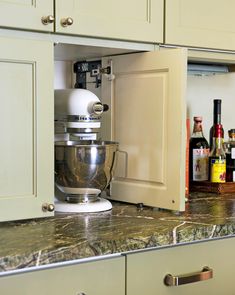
{"x": 216, "y": 119}
{"x": 217, "y": 158}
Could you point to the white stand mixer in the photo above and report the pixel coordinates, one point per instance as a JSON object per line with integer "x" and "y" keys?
{"x": 83, "y": 165}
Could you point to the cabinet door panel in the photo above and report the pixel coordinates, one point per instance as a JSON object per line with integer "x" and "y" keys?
{"x": 17, "y": 149}
{"x": 26, "y": 127}
{"x": 200, "y": 23}
{"x": 148, "y": 120}
{"x": 101, "y": 277}
{"x": 146, "y": 271}
{"x": 132, "y": 20}
{"x": 25, "y": 14}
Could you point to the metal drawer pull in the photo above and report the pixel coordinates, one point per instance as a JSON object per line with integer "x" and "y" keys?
{"x": 205, "y": 274}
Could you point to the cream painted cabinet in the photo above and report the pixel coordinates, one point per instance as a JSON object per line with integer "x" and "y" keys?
{"x": 146, "y": 271}
{"x": 26, "y": 128}
{"x": 200, "y": 23}
{"x": 127, "y": 20}
{"x": 147, "y": 118}
{"x": 91, "y": 278}
{"x": 26, "y": 14}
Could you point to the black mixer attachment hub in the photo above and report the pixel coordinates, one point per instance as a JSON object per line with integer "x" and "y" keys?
{"x": 81, "y": 68}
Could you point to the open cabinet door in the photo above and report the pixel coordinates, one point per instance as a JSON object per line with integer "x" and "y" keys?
{"x": 148, "y": 118}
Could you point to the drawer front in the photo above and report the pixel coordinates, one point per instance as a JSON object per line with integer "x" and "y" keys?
{"x": 146, "y": 271}
{"x": 100, "y": 277}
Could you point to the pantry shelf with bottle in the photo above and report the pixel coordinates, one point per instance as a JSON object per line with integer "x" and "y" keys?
{"x": 212, "y": 166}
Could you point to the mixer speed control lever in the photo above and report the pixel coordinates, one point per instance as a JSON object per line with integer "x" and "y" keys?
{"x": 106, "y": 107}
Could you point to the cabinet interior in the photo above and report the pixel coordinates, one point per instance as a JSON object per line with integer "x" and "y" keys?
{"x": 65, "y": 55}
{"x": 202, "y": 86}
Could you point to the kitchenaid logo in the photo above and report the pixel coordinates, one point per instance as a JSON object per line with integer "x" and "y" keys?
{"x": 84, "y": 118}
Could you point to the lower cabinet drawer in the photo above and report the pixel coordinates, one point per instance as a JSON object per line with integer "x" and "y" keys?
{"x": 91, "y": 278}
{"x": 146, "y": 271}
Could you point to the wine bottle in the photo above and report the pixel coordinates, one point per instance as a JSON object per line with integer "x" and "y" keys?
{"x": 198, "y": 153}
{"x": 216, "y": 119}
{"x": 217, "y": 158}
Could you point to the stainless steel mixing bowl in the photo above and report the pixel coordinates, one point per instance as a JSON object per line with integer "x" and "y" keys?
{"x": 84, "y": 164}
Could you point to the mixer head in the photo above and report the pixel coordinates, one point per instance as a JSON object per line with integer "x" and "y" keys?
{"x": 77, "y": 114}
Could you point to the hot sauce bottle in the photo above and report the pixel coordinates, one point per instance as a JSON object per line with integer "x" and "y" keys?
{"x": 198, "y": 153}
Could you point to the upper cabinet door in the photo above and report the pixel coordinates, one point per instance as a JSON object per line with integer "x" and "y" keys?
{"x": 27, "y": 14}
{"x": 209, "y": 24}
{"x": 148, "y": 118}
{"x": 140, "y": 20}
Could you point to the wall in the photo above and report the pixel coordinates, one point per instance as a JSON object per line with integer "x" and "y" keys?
{"x": 201, "y": 90}
{"x": 63, "y": 74}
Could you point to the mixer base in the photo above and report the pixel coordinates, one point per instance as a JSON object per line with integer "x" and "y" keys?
{"x": 97, "y": 206}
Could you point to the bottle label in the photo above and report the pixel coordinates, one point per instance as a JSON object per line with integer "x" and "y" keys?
{"x": 233, "y": 153}
{"x": 200, "y": 164}
{"x": 218, "y": 170}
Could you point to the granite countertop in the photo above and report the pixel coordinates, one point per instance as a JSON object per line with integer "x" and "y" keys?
{"x": 125, "y": 228}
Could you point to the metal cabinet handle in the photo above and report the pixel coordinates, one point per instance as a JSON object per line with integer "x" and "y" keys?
{"x": 205, "y": 274}
{"x": 46, "y": 20}
{"x": 66, "y": 21}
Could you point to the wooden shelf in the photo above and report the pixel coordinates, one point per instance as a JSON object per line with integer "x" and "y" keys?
{"x": 212, "y": 187}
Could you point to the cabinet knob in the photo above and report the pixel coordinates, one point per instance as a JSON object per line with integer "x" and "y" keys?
{"x": 48, "y": 207}
{"x": 65, "y": 22}
{"x": 46, "y": 20}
